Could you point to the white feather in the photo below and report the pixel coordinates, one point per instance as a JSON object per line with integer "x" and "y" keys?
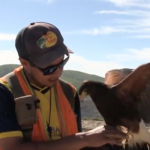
{"x": 141, "y": 137}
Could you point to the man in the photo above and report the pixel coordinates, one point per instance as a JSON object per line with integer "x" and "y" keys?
{"x": 42, "y": 54}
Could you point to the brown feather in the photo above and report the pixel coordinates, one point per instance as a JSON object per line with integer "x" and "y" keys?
{"x": 115, "y": 76}
{"x": 135, "y": 82}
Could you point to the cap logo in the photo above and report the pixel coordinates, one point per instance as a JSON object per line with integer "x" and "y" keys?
{"x": 47, "y": 40}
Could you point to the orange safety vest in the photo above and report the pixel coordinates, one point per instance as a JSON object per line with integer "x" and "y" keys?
{"x": 38, "y": 132}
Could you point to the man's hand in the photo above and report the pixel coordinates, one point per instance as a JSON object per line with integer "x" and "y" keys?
{"x": 103, "y": 135}
{"x": 93, "y": 138}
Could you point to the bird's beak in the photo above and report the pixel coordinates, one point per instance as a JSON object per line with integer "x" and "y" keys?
{"x": 82, "y": 96}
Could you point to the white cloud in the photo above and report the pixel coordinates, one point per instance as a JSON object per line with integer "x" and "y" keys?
{"x": 12, "y": 57}
{"x": 143, "y": 36}
{"x": 137, "y": 3}
{"x": 122, "y": 2}
{"x": 102, "y": 30}
{"x": 134, "y": 23}
{"x": 50, "y": 1}
{"x": 132, "y": 55}
{"x": 92, "y": 67}
{"x": 143, "y": 54}
{"x": 132, "y": 28}
{"x": 45, "y": 1}
{"x": 140, "y": 28}
{"x": 95, "y": 31}
{"x": 130, "y": 12}
{"x": 138, "y": 22}
{"x": 4, "y": 36}
{"x": 75, "y": 63}
{"x": 113, "y": 61}
{"x": 137, "y": 25}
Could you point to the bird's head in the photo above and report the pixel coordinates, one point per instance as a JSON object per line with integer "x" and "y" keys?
{"x": 86, "y": 88}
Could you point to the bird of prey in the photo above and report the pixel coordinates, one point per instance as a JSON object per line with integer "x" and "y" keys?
{"x": 119, "y": 103}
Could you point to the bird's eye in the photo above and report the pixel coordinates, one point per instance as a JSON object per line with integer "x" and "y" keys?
{"x": 85, "y": 90}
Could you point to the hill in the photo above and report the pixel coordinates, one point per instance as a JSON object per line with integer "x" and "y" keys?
{"x": 4, "y": 69}
{"x": 74, "y": 77}
{"x": 88, "y": 109}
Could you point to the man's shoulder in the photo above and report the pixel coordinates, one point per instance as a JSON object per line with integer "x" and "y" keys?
{"x": 9, "y": 126}
{"x": 5, "y": 94}
{"x": 3, "y": 80}
{"x": 4, "y": 83}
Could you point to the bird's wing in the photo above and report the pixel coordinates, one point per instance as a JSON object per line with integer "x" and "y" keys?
{"x": 144, "y": 105}
{"x": 138, "y": 84}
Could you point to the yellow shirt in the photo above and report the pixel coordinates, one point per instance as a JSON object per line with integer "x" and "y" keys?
{"x": 48, "y": 107}
{"x": 48, "y": 101}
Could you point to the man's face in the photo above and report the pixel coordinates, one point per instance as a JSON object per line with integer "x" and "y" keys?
{"x": 39, "y": 78}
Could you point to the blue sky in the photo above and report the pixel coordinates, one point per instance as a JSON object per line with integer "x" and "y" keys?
{"x": 104, "y": 34}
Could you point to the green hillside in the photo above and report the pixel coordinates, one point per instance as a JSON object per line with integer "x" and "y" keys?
{"x": 74, "y": 77}
{"x": 4, "y": 69}
{"x": 88, "y": 109}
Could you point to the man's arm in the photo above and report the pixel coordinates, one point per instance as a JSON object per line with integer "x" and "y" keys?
{"x": 11, "y": 135}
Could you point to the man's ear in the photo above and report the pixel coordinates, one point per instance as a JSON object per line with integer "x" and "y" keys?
{"x": 24, "y": 62}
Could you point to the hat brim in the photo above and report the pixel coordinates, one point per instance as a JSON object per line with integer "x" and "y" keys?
{"x": 45, "y": 59}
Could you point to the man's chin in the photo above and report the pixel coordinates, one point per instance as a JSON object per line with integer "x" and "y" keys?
{"x": 53, "y": 83}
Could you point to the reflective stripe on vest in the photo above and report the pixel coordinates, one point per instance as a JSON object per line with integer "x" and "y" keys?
{"x": 39, "y": 129}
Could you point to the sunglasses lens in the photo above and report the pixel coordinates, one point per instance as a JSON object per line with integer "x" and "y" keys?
{"x": 49, "y": 70}
{"x": 52, "y": 69}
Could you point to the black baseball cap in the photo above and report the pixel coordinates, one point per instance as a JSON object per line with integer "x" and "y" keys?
{"x": 41, "y": 43}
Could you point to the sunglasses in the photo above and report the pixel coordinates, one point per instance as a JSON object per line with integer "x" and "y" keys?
{"x": 51, "y": 69}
